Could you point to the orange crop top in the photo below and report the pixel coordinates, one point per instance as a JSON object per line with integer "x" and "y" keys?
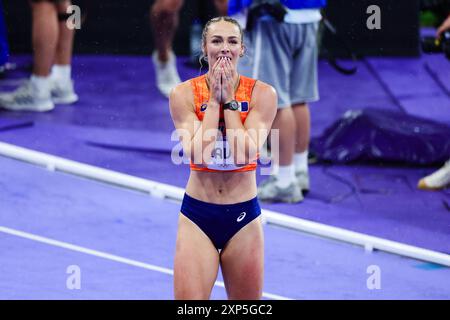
{"x": 221, "y": 156}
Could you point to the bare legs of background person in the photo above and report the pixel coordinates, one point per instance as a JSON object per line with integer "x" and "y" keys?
{"x": 164, "y": 21}
{"x": 290, "y": 175}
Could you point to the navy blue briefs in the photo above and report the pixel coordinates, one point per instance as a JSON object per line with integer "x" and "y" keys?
{"x": 220, "y": 222}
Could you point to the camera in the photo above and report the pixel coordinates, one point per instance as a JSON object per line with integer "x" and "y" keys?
{"x": 259, "y": 8}
{"x": 433, "y": 45}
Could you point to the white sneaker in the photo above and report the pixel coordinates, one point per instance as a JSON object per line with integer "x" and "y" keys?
{"x": 27, "y": 98}
{"x": 62, "y": 92}
{"x": 302, "y": 180}
{"x": 166, "y": 73}
{"x": 437, "y": 180}
{"x": 269, "y": 191}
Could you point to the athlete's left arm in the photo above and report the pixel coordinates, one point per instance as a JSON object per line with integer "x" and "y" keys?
{"x": 246, "y": 139}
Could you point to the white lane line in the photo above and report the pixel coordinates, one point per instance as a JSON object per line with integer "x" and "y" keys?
{"x": 161, "y": 190}
{"x": 109, "y": 256}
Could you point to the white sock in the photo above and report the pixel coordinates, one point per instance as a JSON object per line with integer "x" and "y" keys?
{"x": 61, "y": 72}
{"x": 301, "y": 161}
{"x": 170, "y": 61}
{"x": 42, "y": 84}
{"x": 285, "y": 176}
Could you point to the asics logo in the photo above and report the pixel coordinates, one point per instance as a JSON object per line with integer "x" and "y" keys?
{"x": 241, "y": 216}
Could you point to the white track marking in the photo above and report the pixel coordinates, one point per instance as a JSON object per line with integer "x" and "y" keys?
{"x": 108, "y": 256}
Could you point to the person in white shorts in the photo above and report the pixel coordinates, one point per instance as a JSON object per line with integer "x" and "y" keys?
{"x": 285, "y": 55}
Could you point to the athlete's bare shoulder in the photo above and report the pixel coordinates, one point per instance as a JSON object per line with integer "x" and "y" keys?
{"x": 262, "y": 87}
{"x": 263, "y": 92}
{"x": 182, "y": 95}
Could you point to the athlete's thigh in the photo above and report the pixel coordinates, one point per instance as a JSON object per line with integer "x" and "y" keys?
{"x": 242, "y": 262}
{"x": 196, "y": 262}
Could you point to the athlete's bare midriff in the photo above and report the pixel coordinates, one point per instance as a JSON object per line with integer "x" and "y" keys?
{"x": 222, "y": 187}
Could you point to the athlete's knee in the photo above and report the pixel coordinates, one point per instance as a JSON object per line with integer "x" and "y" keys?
{"x": 253, "y": 292}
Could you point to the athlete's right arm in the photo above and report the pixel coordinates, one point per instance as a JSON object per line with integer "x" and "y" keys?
{"x": 197, "y": 137}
